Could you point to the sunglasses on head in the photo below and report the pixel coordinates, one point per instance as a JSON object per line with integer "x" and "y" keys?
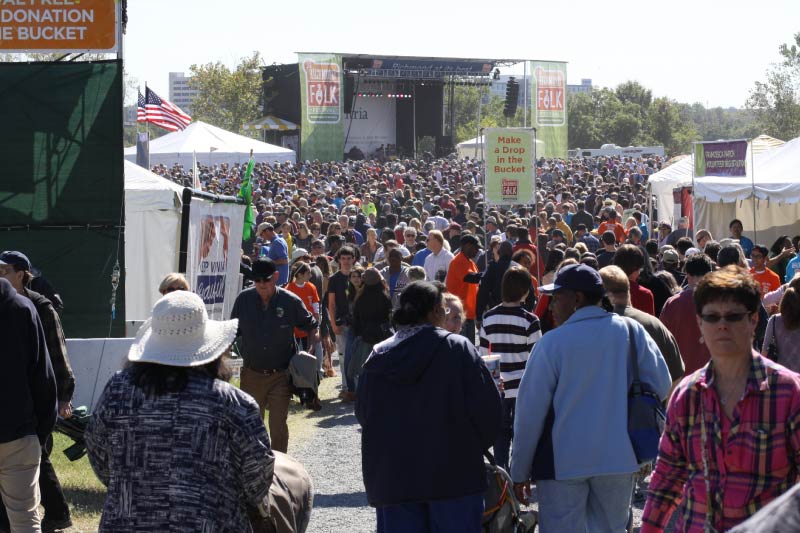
{"x": 713, "y": 318}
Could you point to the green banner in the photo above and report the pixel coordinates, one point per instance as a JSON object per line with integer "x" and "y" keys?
{"x": 549, "y": 106}
{"x": 321, "y": 86}
{"x": 509, "y": 167}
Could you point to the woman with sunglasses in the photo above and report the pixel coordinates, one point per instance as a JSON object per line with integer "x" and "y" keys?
{"x": 732, "y": 440}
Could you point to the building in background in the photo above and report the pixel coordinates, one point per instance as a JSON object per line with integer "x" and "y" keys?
{"x": 584, "y": 87}
{"x": 180, "y": 93}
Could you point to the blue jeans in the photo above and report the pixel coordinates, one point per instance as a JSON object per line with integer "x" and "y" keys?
{"x": 502, "y": 446}
{"x": 456, "y": 515}
{"x": 344, "y": 345}
{"x": 599, "y": 503}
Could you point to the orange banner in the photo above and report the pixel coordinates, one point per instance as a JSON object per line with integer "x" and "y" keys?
{"x": 56, "y": 25}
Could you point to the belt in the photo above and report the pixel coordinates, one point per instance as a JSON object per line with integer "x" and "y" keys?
{"x": 267, "y": 372}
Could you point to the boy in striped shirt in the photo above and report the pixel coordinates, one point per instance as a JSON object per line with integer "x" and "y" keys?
{"x": 510, "y": 331}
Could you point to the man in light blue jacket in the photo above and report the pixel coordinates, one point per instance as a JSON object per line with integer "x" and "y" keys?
{"x": 572, "y": 408}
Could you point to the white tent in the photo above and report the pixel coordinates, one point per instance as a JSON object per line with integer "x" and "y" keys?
{"x": 767, "y": 200}
{"x": 152, "y": 232}
{"x": 679, "y": 174}
{"x": 474, "y": 148}
{"x": 212, "y": 146}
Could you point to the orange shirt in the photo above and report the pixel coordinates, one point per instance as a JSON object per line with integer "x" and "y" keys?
{"x": 460, "y": 266}
{"x": 618, "y": 229}
{"x": 768, "y": 280}
{"x": 307, "y": 293}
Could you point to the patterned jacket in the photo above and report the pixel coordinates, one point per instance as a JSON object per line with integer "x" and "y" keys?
{"x": 179, "y": 462}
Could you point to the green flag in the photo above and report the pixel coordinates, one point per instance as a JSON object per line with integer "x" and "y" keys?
{"x": 246, "y": 192}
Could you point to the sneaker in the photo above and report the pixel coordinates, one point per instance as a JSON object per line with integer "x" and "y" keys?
{"x": 314, "y": 405}
{"x": 50, "y": 526}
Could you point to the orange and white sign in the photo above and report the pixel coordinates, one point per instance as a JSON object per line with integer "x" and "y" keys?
{"x": 58, "y": 25}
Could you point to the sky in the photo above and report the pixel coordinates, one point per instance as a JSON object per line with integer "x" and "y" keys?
{"x": 703, "y": 51}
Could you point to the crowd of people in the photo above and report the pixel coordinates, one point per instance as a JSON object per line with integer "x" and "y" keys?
{"x": 462, "y": 327}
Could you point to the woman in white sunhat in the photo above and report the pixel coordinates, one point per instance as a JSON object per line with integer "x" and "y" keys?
{"x": 178, "y": 447}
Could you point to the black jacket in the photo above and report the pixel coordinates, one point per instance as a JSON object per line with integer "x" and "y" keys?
{"x": 490, "y": 291}
{"x": 372, "y": 313}
{"x": 27, "y": 382}
{"x": 428, "y": 409}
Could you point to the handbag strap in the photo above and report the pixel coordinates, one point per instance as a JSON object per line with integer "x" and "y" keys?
{"x": 773, "y": 339}
{"x": 633, "y": 353}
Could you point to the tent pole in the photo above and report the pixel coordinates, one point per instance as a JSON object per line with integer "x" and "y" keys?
{"x": 753, "y": 193}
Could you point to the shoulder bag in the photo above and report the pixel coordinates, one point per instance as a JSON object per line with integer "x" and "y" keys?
{"x": 646, "y": 416}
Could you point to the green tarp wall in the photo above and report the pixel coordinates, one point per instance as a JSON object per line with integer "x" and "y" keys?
{"x": 62, "y": 183}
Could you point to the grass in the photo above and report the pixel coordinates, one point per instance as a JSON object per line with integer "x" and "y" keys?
{"x": 86, "y": 494}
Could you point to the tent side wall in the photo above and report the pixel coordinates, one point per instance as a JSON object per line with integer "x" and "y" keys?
{"x": 151, "y": 243}
{"x": 774, "y": 219}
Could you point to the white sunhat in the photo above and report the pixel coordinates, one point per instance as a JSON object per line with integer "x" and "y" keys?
{"x": 179, "y": 333}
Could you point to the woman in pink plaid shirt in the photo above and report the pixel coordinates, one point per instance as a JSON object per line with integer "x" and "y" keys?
{"x": 732, "y": 441}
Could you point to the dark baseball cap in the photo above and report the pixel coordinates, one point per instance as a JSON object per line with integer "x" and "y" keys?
{"x": 264, "y": 268}
{"x": 17, "y": 259}
{"x": 470, "y": 239}
{"x": 578, "y": 278}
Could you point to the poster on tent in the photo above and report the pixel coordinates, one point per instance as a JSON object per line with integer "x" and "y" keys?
{"x": 321, "y": 87}
{"x": 510, "y": 166}
{"x": 549, "y": 105}
{"x": 212, "y": 267}
{"x": 720, "y": 158}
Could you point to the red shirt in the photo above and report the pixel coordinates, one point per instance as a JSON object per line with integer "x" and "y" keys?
{"x": 679, "y": 315}
{"x": 642, "y": 298}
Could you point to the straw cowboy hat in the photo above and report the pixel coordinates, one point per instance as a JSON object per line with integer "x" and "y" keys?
{"x": 179, "y": 333}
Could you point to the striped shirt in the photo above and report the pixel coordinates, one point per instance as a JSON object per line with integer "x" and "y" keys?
{"x": 510, "y": 332}
{"x": 751, "y": 460}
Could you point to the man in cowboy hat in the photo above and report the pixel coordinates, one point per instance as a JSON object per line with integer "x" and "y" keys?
{"x": 267, "y": 315}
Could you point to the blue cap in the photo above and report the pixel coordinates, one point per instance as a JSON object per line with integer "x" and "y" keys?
{"x": 578, "y": 278}
{"x": 18, "y": 259}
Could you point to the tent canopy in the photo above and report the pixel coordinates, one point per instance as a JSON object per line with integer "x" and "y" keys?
{"x": 270, "y": 122}
{"x": 212, "y": 146}
{"x": 679, "y": 174}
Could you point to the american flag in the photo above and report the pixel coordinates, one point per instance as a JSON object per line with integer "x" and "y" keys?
{"x": 141, "y": 114}
{"x": 164, "y": 113}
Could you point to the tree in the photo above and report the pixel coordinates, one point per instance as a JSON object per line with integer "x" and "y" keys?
{"x": 632, "y": 92}
{"x": 668, "y": 129}
{"x": 227, "y": 98}
{"x": 776, "y": 100}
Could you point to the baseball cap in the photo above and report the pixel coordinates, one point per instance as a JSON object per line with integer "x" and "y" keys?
{"x": 670, "y": 255}
{"x": 298, "y": 253}
{"x": 579, "y": 278}
{"x": 18, "y": 259}
{"x": 470, "y": 239}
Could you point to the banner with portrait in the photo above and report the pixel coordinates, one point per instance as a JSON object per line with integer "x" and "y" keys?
{"x": 212, "y": 267}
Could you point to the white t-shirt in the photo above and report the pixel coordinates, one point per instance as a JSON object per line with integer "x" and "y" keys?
{"x": 435, "y": 263}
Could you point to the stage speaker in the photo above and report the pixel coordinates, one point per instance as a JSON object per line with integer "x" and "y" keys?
{"x": 348, "y": 94}
{"x": 512, "y": 95}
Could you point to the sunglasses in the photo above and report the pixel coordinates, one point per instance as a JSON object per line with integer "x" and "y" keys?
{"x": 713, "y": 318}
{"x": 262, "y": 279}
{"x": 173, "y": 289}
